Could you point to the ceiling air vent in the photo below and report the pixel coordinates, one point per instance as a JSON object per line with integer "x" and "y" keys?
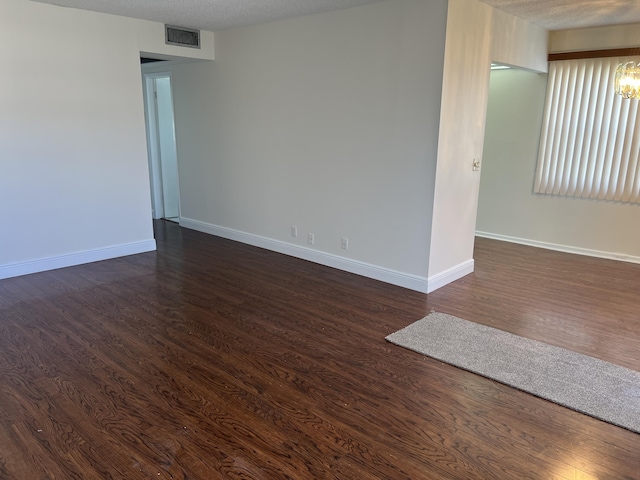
{"x": 182, "y": 37}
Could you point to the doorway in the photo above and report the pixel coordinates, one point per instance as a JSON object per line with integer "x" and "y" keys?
{"x": 161, "y": 146}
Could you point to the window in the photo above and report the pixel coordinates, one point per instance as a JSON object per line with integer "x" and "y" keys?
{"x": 589, "y": 144}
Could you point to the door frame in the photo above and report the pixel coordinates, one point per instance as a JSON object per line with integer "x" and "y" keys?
{"x": 153, "y": 142}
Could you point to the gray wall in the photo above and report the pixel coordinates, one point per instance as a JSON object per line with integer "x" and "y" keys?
{"x": 328, "y": 122}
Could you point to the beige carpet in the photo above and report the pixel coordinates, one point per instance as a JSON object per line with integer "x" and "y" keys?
{"x": 585, "y": 384}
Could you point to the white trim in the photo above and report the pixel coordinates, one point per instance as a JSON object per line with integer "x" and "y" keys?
{"x": 412, "y": 282}
{"x": 451, "y": 275}
{"x": 77, "y": 258}
{"x": 561, "y": 248}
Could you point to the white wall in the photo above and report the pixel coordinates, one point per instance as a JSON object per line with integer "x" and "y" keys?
{"x": 597, "y": 38}
{"x": 466, "y": 78}
{"x": 328, "y": 122}
{"x": 476, "y": 35}
{"x": 73, "y": 166}
{"x": 507, "y": 207}
{"x": 517, "y": 42}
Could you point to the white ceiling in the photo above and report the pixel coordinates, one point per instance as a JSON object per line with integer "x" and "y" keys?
{"x": 220, "y": 14}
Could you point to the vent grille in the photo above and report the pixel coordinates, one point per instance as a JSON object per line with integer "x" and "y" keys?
{"x": 182, "y": 37}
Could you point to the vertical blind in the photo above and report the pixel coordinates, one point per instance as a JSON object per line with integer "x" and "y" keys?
{"x": 589, "y": 144}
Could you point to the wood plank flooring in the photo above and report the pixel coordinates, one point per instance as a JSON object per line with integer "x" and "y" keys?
{"x": 212, "y": 359}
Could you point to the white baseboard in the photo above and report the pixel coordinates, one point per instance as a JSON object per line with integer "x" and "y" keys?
{"x": 451, "y": 275}
{"x": 77, "y": 258}
{"x": 412, "y": 282}
{"x": 561, "y": 248}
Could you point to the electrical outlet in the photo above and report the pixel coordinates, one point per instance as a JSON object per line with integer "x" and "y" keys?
{"x": 345, "y": 243}
{"x": 294, "y": 231}
{"x": 311, "y": 239}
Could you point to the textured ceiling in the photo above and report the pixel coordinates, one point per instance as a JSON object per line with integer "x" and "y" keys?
{"x": 210, "y": 15}
{"x": 565, "y": 14}
{"x": 220, "y": 14}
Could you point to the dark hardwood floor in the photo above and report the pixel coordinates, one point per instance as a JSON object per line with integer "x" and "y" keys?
{"x": 212, "y": 359}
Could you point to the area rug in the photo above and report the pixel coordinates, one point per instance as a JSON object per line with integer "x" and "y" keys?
{"x": 585, "y": 384}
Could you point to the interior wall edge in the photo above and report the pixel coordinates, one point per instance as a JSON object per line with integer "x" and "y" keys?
{"x": 76, "y": 258}
{"x": 375, "y": 272}
{"x": 561, "y": 248}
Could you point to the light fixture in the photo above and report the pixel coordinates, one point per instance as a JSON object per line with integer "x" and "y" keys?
{"x": 627, "y": 80}
{"x": 498, "y": 66}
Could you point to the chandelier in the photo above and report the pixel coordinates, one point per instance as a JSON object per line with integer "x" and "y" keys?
{"x": 627, "y": 80}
